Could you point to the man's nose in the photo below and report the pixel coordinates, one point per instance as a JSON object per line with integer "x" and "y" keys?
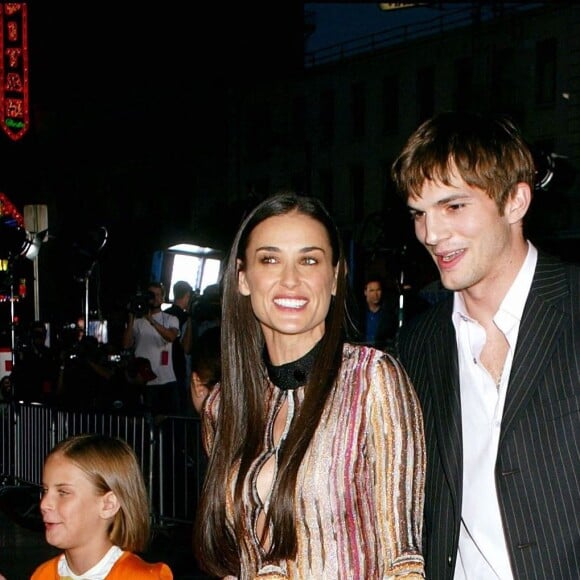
{"x": 432, "y": 230}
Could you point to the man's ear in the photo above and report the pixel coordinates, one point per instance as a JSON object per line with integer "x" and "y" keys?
{"x": 243, "y": 287}
{"x": 518, "y": 203}
{"x": 110, "y": 505}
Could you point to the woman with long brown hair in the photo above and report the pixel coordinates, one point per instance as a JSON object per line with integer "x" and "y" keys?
{"x": 316, "y": 451}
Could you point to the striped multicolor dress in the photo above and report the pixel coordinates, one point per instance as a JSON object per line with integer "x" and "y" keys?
{"x": 359, "y": 494}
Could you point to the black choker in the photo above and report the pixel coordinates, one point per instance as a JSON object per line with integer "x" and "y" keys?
{"x": 293, "y": 374}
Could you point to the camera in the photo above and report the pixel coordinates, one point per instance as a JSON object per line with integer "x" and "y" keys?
{"x": 140, "y": 303}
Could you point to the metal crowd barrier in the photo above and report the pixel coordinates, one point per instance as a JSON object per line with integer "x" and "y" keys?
{"x": 169, "y": 450}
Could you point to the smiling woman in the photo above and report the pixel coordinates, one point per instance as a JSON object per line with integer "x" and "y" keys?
{"x": 290, "y": 284}
{"x": 296, "y": 403}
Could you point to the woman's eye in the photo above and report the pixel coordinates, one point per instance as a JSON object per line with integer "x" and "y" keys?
{"x": 309, "y": 260}
{"x": 268, "y": 259}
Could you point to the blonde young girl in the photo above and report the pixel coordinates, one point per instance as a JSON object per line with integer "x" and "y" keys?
{"x": 94, "y": 507}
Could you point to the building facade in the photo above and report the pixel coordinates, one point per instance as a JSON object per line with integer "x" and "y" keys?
{"x": 334, "y": 128}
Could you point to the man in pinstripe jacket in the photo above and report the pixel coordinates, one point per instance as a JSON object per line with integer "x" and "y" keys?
{"x": 497, "y": 365}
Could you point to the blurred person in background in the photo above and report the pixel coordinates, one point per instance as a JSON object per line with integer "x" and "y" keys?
{"x": 150, "y": 335}
{"x": 36, "y": 367}
{"x": 378, "y": 319}
{"x": 182, "y": 299}
{"x": 6, "y": 389}
{"x": 84, "y": 377}
{"x": 205, "y": 366}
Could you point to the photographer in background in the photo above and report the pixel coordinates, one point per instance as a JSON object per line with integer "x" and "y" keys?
{"x": 151, "y": 335}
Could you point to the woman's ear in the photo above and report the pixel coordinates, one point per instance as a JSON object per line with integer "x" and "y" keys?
{"x": 335, "y": 281}
{"x": 243, "y": 287}
{"x": 110, "y": 505}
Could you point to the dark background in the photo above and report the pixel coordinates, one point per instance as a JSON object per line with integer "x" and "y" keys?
{"x": 126, "y": 126}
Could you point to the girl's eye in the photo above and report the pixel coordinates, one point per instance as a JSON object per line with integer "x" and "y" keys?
{"x": 268, "y": 259}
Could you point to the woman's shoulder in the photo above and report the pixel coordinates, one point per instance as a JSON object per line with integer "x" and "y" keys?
{"x": 130, "y": 565}
{"x": 370, "y": 355}
{"x": 380, "y": 371}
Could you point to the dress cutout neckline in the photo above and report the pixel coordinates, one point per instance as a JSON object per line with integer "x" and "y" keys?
{"x": 293, "y": 374}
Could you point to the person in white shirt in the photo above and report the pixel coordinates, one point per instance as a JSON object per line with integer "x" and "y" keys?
{"x": 497, "y": 364}
{"x": 151, "y": 336}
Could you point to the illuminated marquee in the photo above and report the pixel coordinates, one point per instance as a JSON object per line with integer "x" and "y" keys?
{"x": 14, "y": 109}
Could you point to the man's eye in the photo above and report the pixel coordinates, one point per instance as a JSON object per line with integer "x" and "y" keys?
{"x": 416, "y": 215}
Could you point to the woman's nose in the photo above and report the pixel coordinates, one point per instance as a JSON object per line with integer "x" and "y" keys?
{"x": 289, "y": 276}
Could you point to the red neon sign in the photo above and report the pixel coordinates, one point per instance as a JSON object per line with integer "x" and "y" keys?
{"x": 14, "y": 108}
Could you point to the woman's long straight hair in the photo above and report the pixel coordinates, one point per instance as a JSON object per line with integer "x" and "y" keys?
{"x": 241, "y": 421}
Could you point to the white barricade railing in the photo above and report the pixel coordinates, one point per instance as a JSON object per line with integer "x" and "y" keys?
{"x": 168, "y": 448}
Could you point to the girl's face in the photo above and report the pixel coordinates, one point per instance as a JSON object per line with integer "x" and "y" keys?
{"x": 75, "y": 517}
{"x": 289, "y": 277}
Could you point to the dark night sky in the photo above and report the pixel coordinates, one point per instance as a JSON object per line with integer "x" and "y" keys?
{"x": 125, "y": 110}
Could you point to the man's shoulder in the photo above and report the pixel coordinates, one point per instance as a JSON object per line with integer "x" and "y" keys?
{"x": 427, "y": 321}
{"x": 554, "y": 275}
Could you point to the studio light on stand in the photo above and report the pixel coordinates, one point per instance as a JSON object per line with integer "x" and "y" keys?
{"x": 15, "y": 242}
{"x": 86, "y": 249}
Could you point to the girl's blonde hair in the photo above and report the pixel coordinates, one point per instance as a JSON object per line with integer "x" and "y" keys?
{"x": 110, "y": 464}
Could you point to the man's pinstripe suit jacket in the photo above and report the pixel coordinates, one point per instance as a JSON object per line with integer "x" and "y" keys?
{"x": 537, "y": 471}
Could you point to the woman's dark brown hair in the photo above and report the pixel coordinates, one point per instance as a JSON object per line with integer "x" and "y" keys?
{"x": 241, "y": 422}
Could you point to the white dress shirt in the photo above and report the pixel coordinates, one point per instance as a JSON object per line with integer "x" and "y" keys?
{"x": 483, "y": 552}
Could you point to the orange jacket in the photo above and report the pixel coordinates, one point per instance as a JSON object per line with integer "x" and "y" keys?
{"x": 129, "y": 565}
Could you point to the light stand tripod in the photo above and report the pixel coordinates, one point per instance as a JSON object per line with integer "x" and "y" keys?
{"x": 87, "y": 277}
{"x": 13, "y": 298}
